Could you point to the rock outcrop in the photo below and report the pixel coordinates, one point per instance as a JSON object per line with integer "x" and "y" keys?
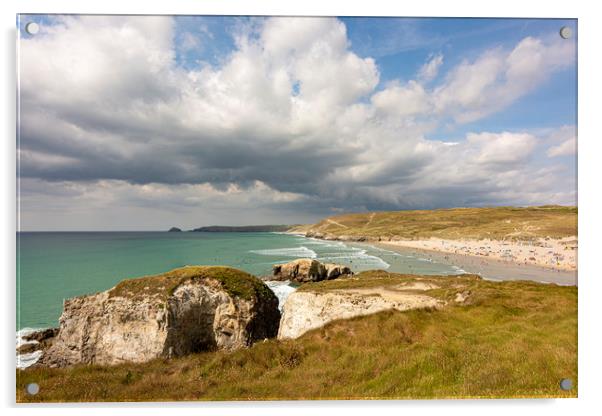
{"x": 308, "y": 270}
{"x": 306, "y": 310}
{"x": 334, "y": 237}
{"x": 37, "y": 340}
{"x": 186, "y": 310}
{"x": 175, "y": 230}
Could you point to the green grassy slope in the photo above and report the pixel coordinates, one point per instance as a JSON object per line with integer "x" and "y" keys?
{"x": 477, "y": 223}
{"x": 510, "y": 339}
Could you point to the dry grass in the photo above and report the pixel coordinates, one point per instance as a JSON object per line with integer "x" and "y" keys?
{"x": 511, "y": 339}
{"x": 475, "y": 223}
{"x": 383, "y": 279}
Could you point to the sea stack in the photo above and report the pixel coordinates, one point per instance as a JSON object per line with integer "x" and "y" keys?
{"x": 308, "y": 270}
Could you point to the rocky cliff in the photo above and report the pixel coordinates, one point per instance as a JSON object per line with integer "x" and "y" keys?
{"x": 315, "y": 304}
{"x": 308, "y": 270}
{"x": 180, "y": 312}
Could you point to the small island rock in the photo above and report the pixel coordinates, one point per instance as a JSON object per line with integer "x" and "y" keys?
{"x": 308, "y": 270}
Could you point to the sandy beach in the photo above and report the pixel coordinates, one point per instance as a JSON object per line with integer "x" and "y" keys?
{"x": 558, "y": 254}
{"x": 550, "y": 261}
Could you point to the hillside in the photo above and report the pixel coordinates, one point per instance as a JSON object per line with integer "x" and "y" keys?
{"x": 504, "y": 339}
{"x": 472, "y": 223}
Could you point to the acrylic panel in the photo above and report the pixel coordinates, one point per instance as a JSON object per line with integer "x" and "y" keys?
{"x": 283, "y": 208}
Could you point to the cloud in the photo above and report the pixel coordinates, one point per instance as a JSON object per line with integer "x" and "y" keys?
{"x": 503, "y": 148}
{"x": 566, "y": 148}
{"x": 497, "y": 78}
{"x": 565, "y": 142}
{"x": 407, "y": 100}
{"x": 290, "y": 124}
{"x": 430, "y": 69}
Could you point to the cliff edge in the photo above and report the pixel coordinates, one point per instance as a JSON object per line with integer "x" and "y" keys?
{"x": 183, "y": 311}
{"x": 314, "y": 305}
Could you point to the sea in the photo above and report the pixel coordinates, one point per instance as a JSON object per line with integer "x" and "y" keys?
{"x": 53, "y": 266}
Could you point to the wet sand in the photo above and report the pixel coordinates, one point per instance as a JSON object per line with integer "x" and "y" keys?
{"x": 490, "y": 268}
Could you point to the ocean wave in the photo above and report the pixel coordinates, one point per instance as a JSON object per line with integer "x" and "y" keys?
{"x": 25, "y": 360}
{"x": 392, "y": 253}
{"x": 301, "y": 252}
{"x": 24, "y": 332}
{"x": 339, "y": 252}
{"x": 281, "y": 290}
{"x": 357, "y": 256}
{"x": 322, "y": 243}
{"x": 459, "y": 270}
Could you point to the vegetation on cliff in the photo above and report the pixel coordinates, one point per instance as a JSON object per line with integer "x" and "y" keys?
{"x": 441, "y": 287}
{"x": 235, "y": 282}
{"x": 473, "y": 223}
{"x": 507, "y": 339}
{"x": 177, "y": 313}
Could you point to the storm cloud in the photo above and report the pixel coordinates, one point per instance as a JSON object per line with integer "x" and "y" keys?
{"x": 289, "y": 126}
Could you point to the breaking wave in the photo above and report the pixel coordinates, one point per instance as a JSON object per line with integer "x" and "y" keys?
{"x": 281, "y": 290}
{"x": 301, "y": 252}
{"x": 357, "y": 257}
{"x": 25, "y": 360}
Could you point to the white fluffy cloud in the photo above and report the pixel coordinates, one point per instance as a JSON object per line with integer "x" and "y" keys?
{"x": 407, "y": 100}
{"x": 292, "y": 124}
{"x": 430, "y": 69}
{"x": 566, "y": 148}
{"x": 503, "y": 148}
{"x": 497, "y": 78}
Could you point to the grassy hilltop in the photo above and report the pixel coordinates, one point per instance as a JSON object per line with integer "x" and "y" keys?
{"x": 508, "y": 339}
{"x": 474, "y": 223}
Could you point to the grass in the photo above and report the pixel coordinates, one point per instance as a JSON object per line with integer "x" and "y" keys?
{"x": 511, "y": 339}
{"x": 475, "y": 223}
{"x": 380, "y": 278}
{"x": 235, "y": 282}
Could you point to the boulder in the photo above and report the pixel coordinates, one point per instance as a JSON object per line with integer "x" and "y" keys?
{"x": 37, "y": 340}
{"x": 29, "y": 347}
{"x": 41, "y": 335}
{"x": 336, "y": 270}
{"x": 183, "y": 311}
{"x": 308, "y": 270}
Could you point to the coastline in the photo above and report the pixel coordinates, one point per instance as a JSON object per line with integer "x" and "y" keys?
{"x": 545, "y": 261}
{"x": 488, "y": 267}
{"x": 555, "y": 254}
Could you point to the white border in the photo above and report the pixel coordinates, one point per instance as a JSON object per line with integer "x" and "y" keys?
{"x": 590, "y": 149}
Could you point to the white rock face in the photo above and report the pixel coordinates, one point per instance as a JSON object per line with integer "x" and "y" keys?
{"x": 308, "y": 270}
{"x": 198, "y": 315}
{"x": 306, "y": 310}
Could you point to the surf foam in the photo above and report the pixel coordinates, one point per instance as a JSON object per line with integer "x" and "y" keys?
{"x": 281, "y": 290}
{"x": 26, "y": 360}
{"x": 301, "y": 252}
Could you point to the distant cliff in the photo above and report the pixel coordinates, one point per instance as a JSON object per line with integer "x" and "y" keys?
{"x": 243, "y": 229}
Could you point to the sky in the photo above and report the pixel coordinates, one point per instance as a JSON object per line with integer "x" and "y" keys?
{"x": 143, "y": 123}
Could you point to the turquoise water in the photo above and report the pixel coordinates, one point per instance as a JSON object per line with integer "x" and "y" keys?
{"x": 55, "y": 266}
